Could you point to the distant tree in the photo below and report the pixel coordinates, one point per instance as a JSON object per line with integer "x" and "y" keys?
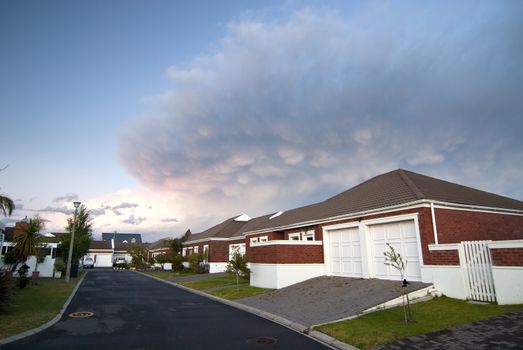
{"x": 27, "y": 242}
{"x": 138, "y": 254}
{"x": 162, "y": 259}
{"x": 175, "y": 244}
{"x": 7, "y": 205}
{"x": 394, "y": 259}
{"x": 238, "y": 266}
{"x": 82, "y": 234}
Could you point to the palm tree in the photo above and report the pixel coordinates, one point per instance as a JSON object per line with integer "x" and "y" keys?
{"x": 6, "y": 205}
{"x": 27, "y": 243}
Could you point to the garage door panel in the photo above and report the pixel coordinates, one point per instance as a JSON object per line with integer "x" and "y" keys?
{"x": 402, "y": 237}
{"x": 345, "y": 254}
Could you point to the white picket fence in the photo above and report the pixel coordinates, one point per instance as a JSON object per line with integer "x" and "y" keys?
{"x": 476, "y": 266}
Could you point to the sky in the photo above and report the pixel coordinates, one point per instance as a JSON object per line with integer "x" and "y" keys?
{"x": 163, "y": 116}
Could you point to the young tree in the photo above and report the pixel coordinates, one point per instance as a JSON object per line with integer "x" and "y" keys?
{"x": 82, "y": 234}
{"x": 175, "y": 244}
{"x": 27, "y": 242}
{"x": 238, "y": 266}
{"x": 394, "y": 259}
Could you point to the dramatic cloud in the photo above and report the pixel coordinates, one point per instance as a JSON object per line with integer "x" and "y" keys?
{"x": 67, "y": 198}
{"x": 169, "y": 220}
{"x": 61, "y": 210}
{"x": 284, "y": 113}
{"x": 125, "y": 205}
{"x": 134, "y": 220}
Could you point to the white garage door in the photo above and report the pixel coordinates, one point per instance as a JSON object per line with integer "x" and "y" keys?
{"x": 103, "y": 260}
{"x": 402, "y": 236}
{"x": 345, "y": 252}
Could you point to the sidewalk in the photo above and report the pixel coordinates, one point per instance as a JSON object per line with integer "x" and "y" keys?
{"x": 501, "y": 332}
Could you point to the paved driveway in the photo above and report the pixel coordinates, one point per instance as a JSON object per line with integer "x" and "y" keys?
{"x": 132, "y": 311}
{"x": 326, "y": 299}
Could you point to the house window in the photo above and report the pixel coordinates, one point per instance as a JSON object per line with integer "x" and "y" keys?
{"x": 184, "y": 251}
{"x": 254, "y": 239}
{"x": 295, "y": 236}
{"x": 133, "y": 240}
{"x": 264, "y": 238}
{"x": 308, "y": 235}
{"x": 196, "y": 249}
{"x": 125, "y": 241}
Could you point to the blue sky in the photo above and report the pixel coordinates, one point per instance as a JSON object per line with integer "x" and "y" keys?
{"x": 163, "y": 116}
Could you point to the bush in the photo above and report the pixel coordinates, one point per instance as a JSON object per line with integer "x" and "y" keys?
{"x": 195, "y": 260}
{"x": 59, "y": 265}
{"x": 176, "y": 260}
{"x": 121, "y": 265}
{"x": 23, "y": 280}
{"x": 5, "y": 289}
{"x": 202, "y": 268}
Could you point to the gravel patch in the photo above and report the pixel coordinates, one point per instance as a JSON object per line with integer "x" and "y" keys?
{"x": 327, "y": 298}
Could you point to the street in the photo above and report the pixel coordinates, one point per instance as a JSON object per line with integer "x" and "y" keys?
{"x": 131, "y": 311}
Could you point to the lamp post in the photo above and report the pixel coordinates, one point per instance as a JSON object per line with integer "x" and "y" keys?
{"x": 70, "y": 256}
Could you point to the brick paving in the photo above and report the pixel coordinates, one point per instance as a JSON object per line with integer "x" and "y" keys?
{"x": 501, "y": 332}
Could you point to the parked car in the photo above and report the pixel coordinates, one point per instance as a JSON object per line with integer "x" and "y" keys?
{"x": 88, "y": 263}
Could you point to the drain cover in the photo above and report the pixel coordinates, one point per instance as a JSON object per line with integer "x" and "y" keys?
{"x": 81, "y": 314}
{"x": 262, "y": 341}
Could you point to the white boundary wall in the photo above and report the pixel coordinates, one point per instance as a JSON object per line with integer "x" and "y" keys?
{"x": 282, "y": 275}
{"x": 450, "y": 280}
{"x": 217, "y": 267}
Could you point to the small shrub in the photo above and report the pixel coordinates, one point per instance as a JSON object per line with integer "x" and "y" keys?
{"x": 202, "y": 268}
{"x": 23, "y": 280}
{"x": 194, "y": 261}
{"x": 176, "y": 260}
{"x": 5, "y": 289}
{"x": 59, "y": 265}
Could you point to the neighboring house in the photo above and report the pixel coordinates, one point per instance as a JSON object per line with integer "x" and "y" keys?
{"x": 122, "y": 237}
{"x": 424, "y": 218}
{"x": 161, "y": 246}
{"x": 48, "y": 243}
{"x": 219, "y": 241}
{"x": 105, "y": 253}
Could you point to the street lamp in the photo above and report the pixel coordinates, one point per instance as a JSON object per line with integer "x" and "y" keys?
{"x": 70, "y": 256}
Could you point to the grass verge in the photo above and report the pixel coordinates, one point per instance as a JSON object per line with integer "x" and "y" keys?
{"x": 213, "y": 282}
{"x": 168, "y": 274}
{"x": 234, "y": 293}
{"x": 35, "y": 305}
{"x": 381, "y": 327}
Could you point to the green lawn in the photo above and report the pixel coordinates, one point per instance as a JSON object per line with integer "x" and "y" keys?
{"x": 374, "y": 329}
{"x": 244, "y": 291}
{"x": 168, "y": 274}
{"x": 213, "y": 282}
{"x": 35, "y": 305}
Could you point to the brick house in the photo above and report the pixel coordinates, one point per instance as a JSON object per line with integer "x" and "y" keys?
{"x": 424, "y": 218}
{"x": 219, "y": 241}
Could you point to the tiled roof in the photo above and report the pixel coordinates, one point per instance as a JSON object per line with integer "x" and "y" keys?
{"x": 120, "y": 237}
{"x": 100, "y": 245}
{"x": 161, "y": 243}
{"x": 389, "y": 189}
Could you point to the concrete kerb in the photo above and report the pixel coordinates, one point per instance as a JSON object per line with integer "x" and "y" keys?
{"x": 299, "y": 328}
{"x": 48, "y": 323}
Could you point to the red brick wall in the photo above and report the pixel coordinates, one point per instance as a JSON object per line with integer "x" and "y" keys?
{"x": 444, "y": 257}
{"x": 507, "y": 256}
{"x": 273, "y": 236}
{"x": 459, "y": 225}
{"x": 287, "y": 254}
{"x": 219, "y": 250}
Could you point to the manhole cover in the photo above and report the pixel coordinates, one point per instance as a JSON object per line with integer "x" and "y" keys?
{"x": 81, "y": 314}
{"x": 262, "y": 341}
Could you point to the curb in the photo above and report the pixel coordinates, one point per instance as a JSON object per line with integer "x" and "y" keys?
{"x": 299, "y": 328}
{"x": 48, "y": 323}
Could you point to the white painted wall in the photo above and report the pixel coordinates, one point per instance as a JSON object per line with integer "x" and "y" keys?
{"x": 282, "y": 275}
{"x": 446, "y": 279}
{"x": 508, "y": 283}
{"x": 217, "y": 267}
{"x": 45, "y": 268}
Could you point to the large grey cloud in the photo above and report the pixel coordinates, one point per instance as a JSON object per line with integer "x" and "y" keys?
{"x": 287, "y": 112}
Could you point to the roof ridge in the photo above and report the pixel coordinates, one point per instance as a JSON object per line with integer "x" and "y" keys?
{"x": 412, "y": 186}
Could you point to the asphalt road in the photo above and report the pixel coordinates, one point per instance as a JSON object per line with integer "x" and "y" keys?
{"x": 132, "y": 311}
